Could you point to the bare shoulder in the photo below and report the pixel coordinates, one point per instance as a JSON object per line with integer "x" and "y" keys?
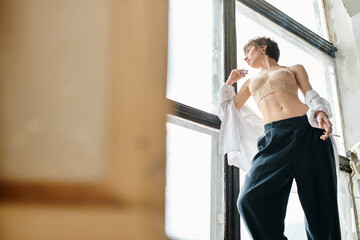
{"x": 301, "y": 77}
{"x": 297, "y": 69}
{"x": 247, "y": 82}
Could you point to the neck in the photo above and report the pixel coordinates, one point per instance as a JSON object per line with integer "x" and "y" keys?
{"x": 268, "y": 63}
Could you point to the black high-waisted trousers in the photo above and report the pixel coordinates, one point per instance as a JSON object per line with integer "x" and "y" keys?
{"x": 289, "y": 149}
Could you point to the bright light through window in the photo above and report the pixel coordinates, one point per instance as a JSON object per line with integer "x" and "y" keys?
{"x": 309, "y": 13}
{"x": 190, "y": 53}
{"x": 194, "y": 182}
{"x": 188, "y": 184}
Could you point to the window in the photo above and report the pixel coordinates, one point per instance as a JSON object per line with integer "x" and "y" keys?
{"x": 205, "y": 43}
{"x": 194, "y": 191}
{"x": 195, "y": 53}
{"x": 195, "y": 170}
{"x": 313, "y": 19}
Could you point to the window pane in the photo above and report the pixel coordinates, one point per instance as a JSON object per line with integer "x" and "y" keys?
{"x": 194, "y": 187}
{"x": 195, "y": 52}
{"x": 313, "y": 19}
{"x": 294, "y": 221}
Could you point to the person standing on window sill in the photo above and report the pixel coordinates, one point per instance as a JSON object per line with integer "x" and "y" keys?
{"x": 295, "y": 145}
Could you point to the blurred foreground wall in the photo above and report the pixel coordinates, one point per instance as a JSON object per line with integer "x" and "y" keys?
{"x": 82, "y": 119}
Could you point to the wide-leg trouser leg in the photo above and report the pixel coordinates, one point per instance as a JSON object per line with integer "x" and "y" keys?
{"x": 264, "y": 195}
{"x": 315, "y": 175}
{"x": 291, "y": 148}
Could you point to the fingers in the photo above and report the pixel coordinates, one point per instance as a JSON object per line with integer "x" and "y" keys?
{"x": 324, "y": 123}
{"x": 236, "y": 75}
{"x": 324, "y": 136}
{"x": 321, "y": 123}
{"x": 328, "y": 126}
{"x": 328, "y": 129}
{"x": 241, "y": 72}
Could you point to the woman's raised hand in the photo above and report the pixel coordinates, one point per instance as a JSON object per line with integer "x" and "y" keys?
{"x": 236, "y": 75}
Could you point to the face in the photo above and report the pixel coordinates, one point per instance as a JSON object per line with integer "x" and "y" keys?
{"x": 253, "y": 56}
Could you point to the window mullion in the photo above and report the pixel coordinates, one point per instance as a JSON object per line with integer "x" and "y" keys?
{"x": 232, "y": 185}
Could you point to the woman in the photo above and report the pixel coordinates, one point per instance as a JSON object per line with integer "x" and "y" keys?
{"x": 289, "y": 149}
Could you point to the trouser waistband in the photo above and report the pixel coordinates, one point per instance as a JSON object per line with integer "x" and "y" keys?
{"x": 286, "y": 122}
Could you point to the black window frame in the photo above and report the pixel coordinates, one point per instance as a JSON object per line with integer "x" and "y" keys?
{"x": 231, "y": 174}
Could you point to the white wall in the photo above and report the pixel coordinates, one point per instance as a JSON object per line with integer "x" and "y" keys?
{"x": 353, "y": 9}
{"x": 343, "y": 17}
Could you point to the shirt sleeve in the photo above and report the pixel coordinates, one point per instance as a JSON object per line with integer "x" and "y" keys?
{"x": 226, "y": 93}
{"x": 316, "y": 103}
{"x": 239, "y": 130}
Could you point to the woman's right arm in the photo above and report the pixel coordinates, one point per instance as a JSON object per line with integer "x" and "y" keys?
{"x": 243, "y": 95}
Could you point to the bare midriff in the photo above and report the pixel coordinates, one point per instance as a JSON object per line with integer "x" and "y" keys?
{"x": 281, "y": 105}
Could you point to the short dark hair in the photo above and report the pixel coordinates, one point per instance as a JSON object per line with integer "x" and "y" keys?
{"x": 272, "y": 49}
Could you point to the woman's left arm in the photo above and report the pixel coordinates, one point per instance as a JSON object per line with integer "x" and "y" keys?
{"x": 301, "y": 77}
{"x": 302, "y": 80}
